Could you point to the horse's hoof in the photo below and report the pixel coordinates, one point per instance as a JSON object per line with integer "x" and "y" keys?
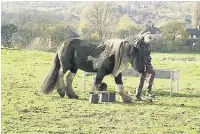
{"x": 139, "y": 98}
{"x": 125, "y": 97}
{"x": 61, "y": 93}
{"x": 73, "y": 97}
{"x": 103, "y": 87}
{"x": 127, "y": 100}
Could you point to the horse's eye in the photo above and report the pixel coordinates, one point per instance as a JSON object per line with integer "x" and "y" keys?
{"x": 135, "y": 50}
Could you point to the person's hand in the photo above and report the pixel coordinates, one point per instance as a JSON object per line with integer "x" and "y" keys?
{"x": 145, "y": 68}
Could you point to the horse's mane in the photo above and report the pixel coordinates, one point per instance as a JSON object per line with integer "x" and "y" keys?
{"x": 118, "y": 47}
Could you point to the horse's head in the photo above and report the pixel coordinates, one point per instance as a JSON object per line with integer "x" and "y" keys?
{"x": 137, "y": 58}
{"x": 132, "y": 54}
{"x": 137, "y": 53}
{"x": 144, "y": 37}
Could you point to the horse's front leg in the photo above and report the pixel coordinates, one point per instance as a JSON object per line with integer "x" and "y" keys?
{"x": 98, "y": 81}
{"x": 120, "y": 87}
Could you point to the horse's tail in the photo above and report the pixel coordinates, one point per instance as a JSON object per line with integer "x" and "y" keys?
{"x": 50, "y": 81}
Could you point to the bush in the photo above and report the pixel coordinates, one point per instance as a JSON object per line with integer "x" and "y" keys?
{"x": 60, "y": 34}
{"x": 7, "y": 33}
{"x": 161, "y": 45}
{"x": 196, "y": 47}
{"x": 157, "y": 45}
{"x": 94, "y": 37}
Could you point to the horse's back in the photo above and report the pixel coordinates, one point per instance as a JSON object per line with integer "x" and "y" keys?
{"x": 77, "y": 52}
{"x": 89, "y": 56}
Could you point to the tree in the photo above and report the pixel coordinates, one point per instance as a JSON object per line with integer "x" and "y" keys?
{"x": 26, "y": 34}
{"x": 61, "y": 32}
{"x": 196, "y": 14}
{"x": 126, "y": 27}
{"x": 174, "y": 30}
{"x": 7, "y": 32}
{"x": 84, "y": 29}
{"x": 123, "y": 7}
{"x": 174, "y": 36}
{"x": 100, "y": 17}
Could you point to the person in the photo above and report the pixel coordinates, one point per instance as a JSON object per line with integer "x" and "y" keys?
{"x": 144, "y": 43}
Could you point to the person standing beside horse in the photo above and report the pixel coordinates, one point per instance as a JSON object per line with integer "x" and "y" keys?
{"x": 144, "y": 44}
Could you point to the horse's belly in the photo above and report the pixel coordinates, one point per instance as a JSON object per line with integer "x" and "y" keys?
{"x": 86, "y": 61}
{"x": 86, "y": 65}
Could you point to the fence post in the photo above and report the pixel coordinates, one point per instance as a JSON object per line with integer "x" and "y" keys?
{"x": 50, "y": 46}
{"x": 171, "y": 83}
{"x": 84, "y": 74}
{"x": 177, "y": 81}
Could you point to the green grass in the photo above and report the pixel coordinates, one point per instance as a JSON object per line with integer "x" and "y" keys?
{"x": 26, "y": 110}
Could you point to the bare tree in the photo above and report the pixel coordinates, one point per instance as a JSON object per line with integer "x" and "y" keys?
{"x": 100, "y": 16}
{"x": 196, "y": 14}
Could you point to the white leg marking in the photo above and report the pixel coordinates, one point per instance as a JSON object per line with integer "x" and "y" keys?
{"x": 124, "y": 96}
{"x": 61, "y": 83}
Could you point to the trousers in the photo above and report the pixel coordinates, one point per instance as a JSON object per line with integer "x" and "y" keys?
{"x": 151, "y": 71}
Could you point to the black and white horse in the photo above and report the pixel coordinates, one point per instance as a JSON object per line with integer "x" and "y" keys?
{"x": 111, "y": 57}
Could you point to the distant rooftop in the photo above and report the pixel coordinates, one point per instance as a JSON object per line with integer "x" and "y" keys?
{"x": 152, "y": 29}
{"x": 193, "y": 31}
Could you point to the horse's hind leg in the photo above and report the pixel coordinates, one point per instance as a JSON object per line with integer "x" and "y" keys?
{"x": 65, "y": 54}
{"x": 69, "y": 79}
{"x": 60, "y": 83}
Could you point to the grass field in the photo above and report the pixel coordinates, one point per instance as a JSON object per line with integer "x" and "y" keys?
{"x": 26, "y": 110}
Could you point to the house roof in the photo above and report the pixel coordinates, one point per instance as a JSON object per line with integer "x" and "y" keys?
{"x": 152, "y": 30}
{"x": 193, "y": 31}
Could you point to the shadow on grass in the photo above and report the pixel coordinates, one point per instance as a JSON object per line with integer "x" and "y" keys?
{"x": 6, "y": 48}
{"x": 83, "y": 99}
{"x": 177, "y": 105}
{"x": 176, "y": 94}
{"x": 53, "y": 50}
{"x": 161, "y": 104}
{"x": 141, "y": 103}
{"x": 149, "y": 103}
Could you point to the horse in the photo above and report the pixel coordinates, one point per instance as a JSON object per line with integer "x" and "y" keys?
{"x": 110, "y": 57}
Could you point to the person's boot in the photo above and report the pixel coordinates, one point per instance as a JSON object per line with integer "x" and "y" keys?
{"x": 149, "y": 92}
{"x": 139, "y": 98}
{"x": 139, "y": 94}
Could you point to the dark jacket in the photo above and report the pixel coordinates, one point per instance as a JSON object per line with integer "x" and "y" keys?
{"x": 146, "y": 49}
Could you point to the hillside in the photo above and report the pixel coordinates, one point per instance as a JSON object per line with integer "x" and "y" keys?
{"x": 140, "y": 12}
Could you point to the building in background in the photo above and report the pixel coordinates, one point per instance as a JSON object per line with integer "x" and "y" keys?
{"x": 156, "y": 32}
{"x": 193, "y": 36}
